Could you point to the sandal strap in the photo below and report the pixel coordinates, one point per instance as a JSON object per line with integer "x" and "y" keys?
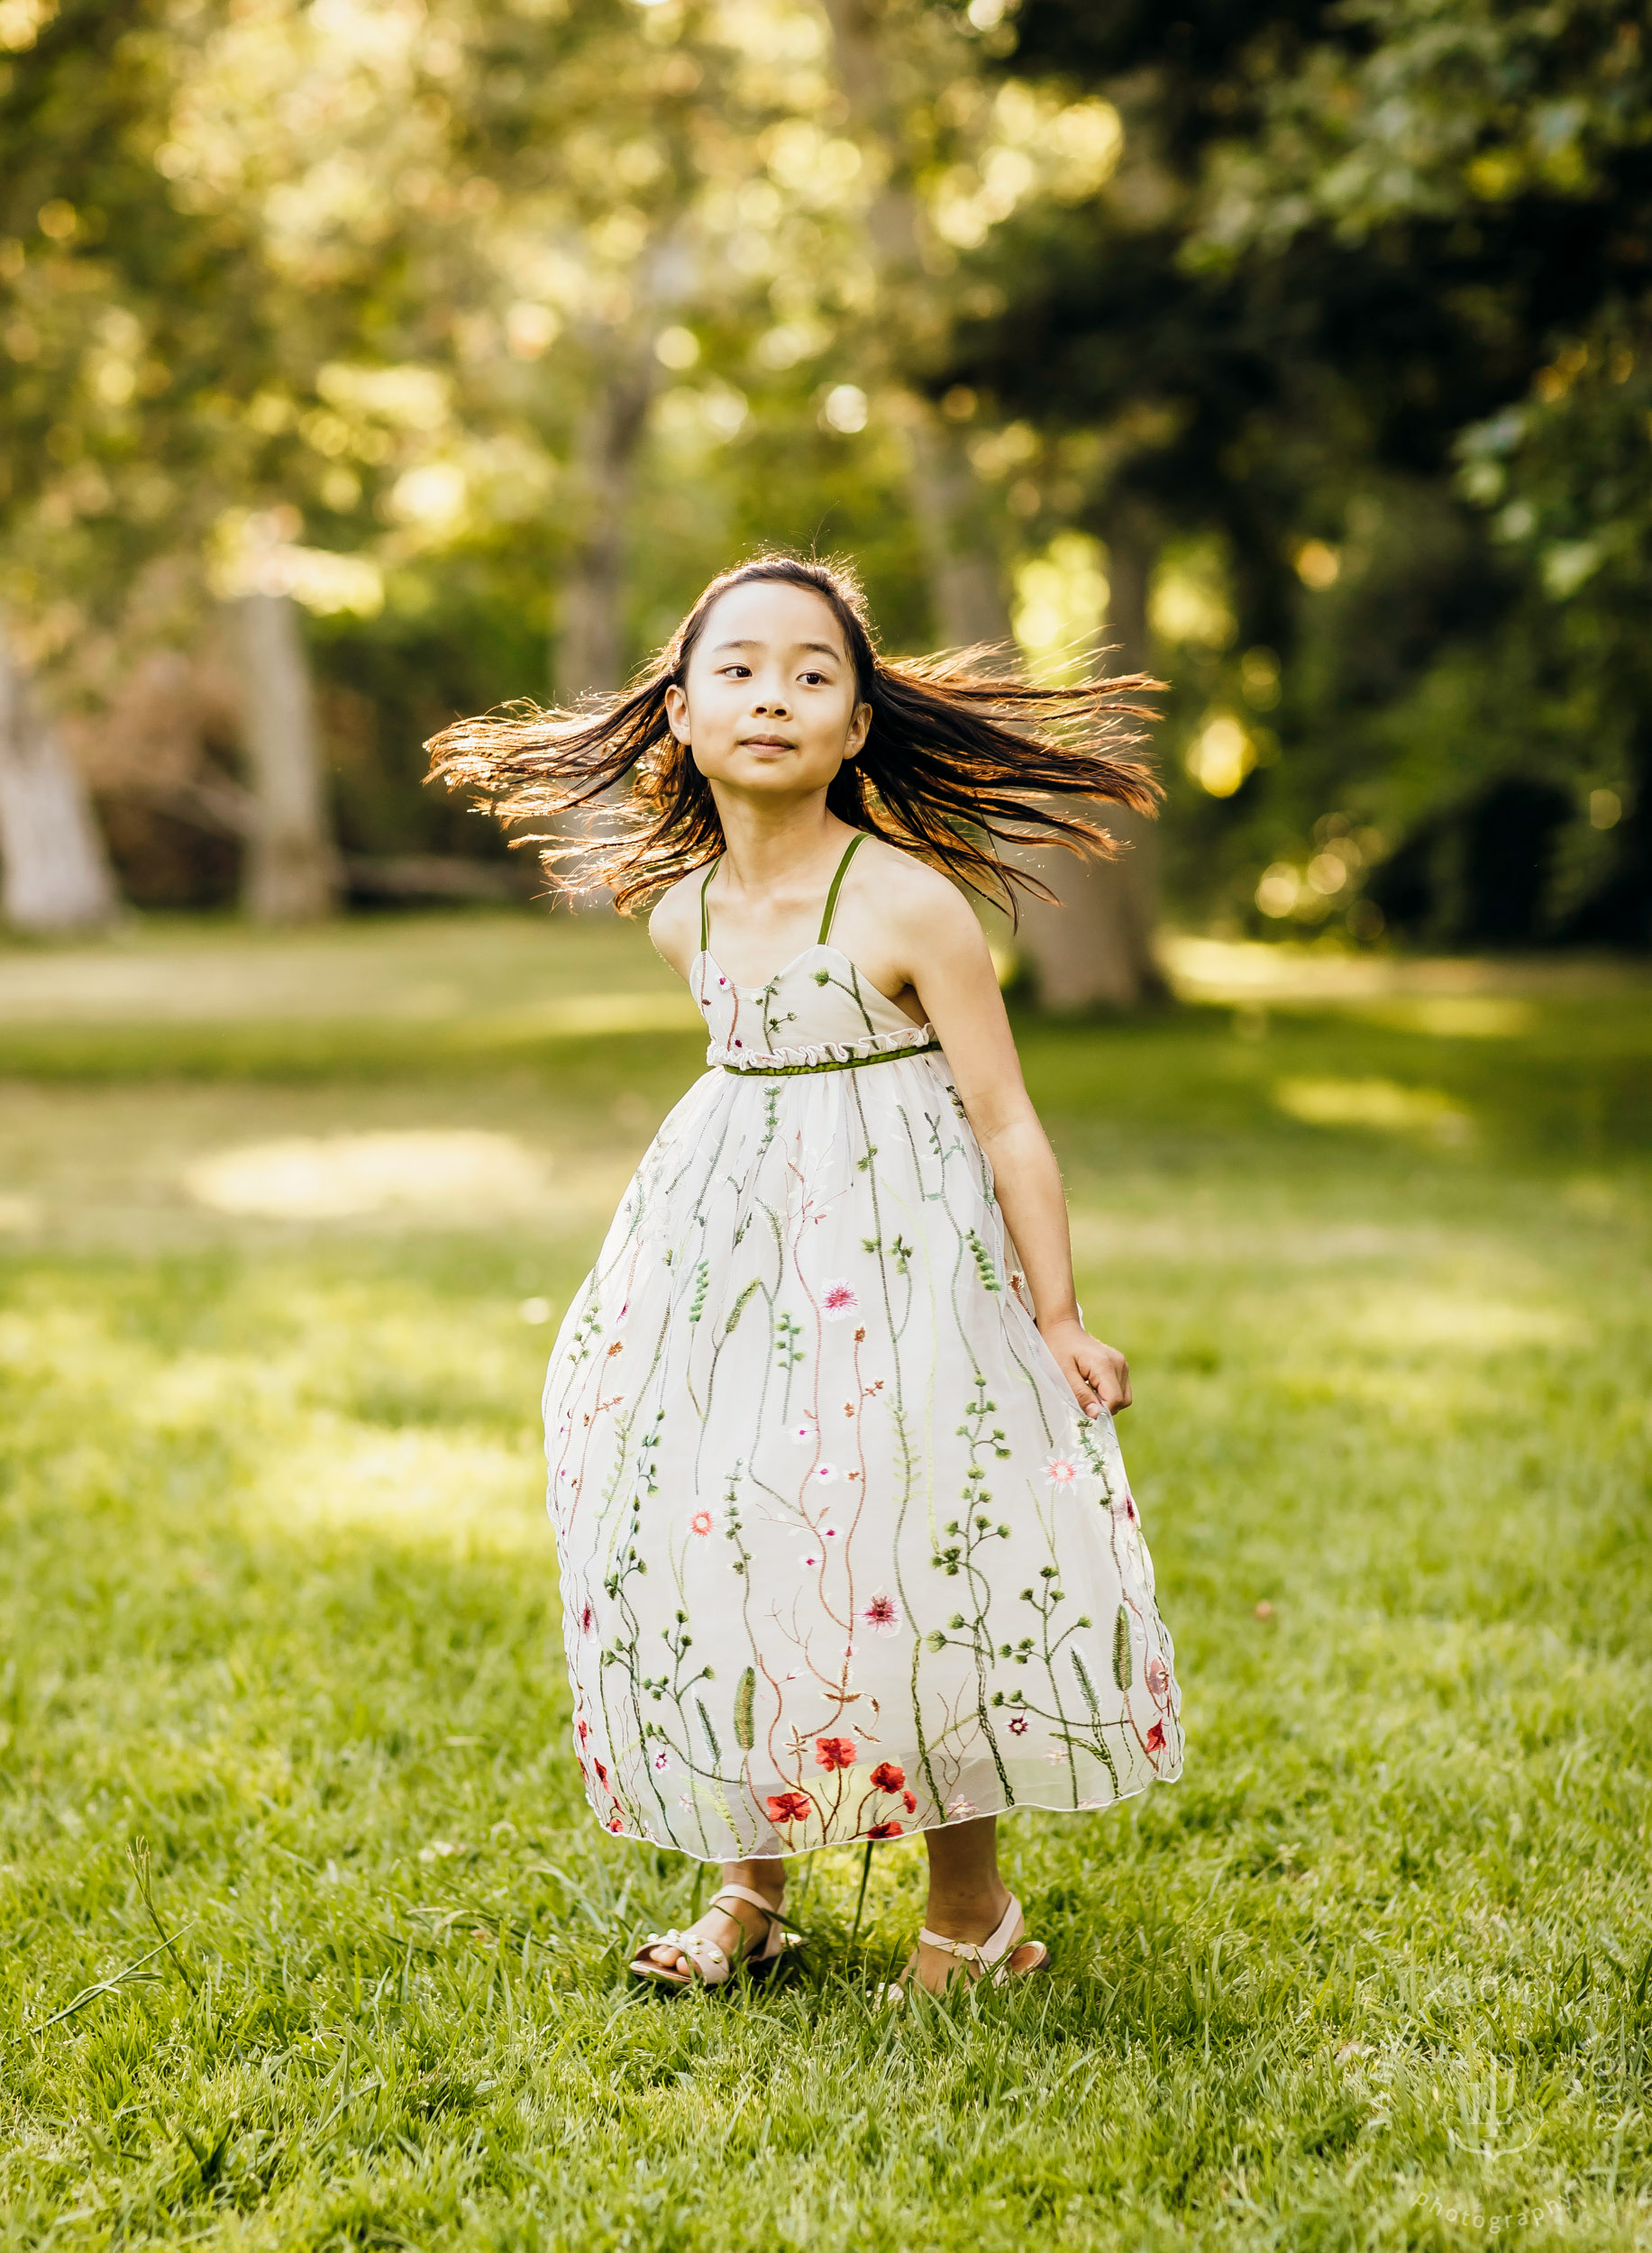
{"x": 987, "y": 1952}
{"x": 746, "y": 1893}
{"x": 692, "y": 1943}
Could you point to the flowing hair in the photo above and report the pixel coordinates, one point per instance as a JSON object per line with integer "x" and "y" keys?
{"x": 958, "y": 762}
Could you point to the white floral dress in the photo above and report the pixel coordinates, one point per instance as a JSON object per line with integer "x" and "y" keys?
{"x": 840, "y": 1559}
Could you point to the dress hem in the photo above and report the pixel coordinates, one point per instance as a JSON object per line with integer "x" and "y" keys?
{"x": 835, "y": 1845}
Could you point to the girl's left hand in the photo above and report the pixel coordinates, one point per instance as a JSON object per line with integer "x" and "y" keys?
{"x": 1099, "y": 1375}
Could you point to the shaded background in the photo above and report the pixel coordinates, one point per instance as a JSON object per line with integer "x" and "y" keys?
{"x": 363, "y": 362}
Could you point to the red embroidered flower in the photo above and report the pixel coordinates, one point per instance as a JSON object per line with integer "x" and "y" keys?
{"x": 909, "y": 1802}
{"x": 884, "y": 1831}
{"x": 602, "y": 1773}
{"x": 585, "y": 1730}
{"x": 835, "y": 1752}
{"x": 889, "y": 1775}
{"x": 1017, "y": 1727}
{"x": 790, "y": 1807}
{"x": 588, "y": 1620}
{"x": 700, "y": 1523}
{"x": 615, "y": 1823}
{"x": 837, "y": 1299}
{"x": 1155, "y": 1738}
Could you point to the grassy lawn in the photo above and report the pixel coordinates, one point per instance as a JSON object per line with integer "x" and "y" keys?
{"x": 283, "y": 1222}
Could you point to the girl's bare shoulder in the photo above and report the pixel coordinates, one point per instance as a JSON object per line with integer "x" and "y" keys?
{"x": 910, "y": 896}
{"x": 673, "y": 922}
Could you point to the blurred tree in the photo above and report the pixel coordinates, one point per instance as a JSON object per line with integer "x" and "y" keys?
{"x": 54, "y": 874}
{"x": 1340, "y": 237}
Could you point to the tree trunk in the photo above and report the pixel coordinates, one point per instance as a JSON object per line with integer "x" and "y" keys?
{"x": 1097, "y": 948}
{"x": 56, "y": 874}
{"x": 590, "y": 639}
{"x": 292, "y": 872}
{"x": 966, "y": 585}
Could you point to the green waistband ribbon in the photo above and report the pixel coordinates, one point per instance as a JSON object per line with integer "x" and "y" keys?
{"x": 835, "y": 1064}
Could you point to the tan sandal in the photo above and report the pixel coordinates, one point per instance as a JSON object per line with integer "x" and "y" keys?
{"x": 713, "y": 1966}
{"x": 986, "y": 1959}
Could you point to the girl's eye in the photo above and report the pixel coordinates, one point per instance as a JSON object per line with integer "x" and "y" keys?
{"x": 735, "y": 672}
{"x": 815, "y": 680}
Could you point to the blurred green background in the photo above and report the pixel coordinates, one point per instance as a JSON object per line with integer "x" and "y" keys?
{"x": 1300, "y": 352}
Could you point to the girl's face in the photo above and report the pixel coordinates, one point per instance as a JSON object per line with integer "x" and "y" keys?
{"x": 769, "y": 705}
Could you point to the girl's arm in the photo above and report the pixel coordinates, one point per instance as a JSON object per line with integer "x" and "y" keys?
{"x": 946, "y": 956}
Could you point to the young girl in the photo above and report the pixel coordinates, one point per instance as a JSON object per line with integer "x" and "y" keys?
{"x": 847, "y": 1548}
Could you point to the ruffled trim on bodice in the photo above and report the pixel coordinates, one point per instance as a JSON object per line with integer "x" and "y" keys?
{"x": 915, "y": 1037}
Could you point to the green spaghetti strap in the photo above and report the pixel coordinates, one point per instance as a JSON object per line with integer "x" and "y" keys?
{"x": 831, "y": 901}
{"x": 705, "y": 908}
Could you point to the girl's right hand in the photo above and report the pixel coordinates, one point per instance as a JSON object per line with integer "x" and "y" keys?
{"x": 1099, "y": 1375}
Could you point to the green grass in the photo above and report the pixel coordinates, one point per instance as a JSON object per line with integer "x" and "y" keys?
{"x": 280, "y": 1603}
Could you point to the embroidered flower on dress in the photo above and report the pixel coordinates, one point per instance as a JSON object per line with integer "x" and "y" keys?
{"x": 835, "y": 1752}
{"x": 662, "y": 1762}
{"x": 801, "y": 1434}
{"x": 1061, "y": 1471}
{"x": 824, "y": 1473}
{"x": 790, "y": 1807}
{"x": 960, "y": 1809}
{"x": 909, "y": 1802}
{"x": 884, "y": 1831}
{"x": 889, "y": 1775}
{"x": 1155, "y": 1738}
{"x": 1156, "y": 1675}
{"x": 810, "y": 1558}
{"x": 1017, "y": 1727}
{"x": 701, "y": 1523}
{"x": 588, "y": 1622}
{"x": 838, "y": 1301}
{"x": 882, "y": 1614}
{"x": 616, "y": 1823}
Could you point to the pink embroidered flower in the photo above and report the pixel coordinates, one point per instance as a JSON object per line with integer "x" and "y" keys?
{"x": 1156, "y": 1675}
{"x": 838, "y": 1301}
{"x": 809, "y": 1559}
{"x": 790, "y": 1807}
{"x": 662, "y": 1762}
{"x": 824, "y": 1473}
{"x": 588, "y": 1621}
{"x": 835, "y": 1752}
{"x": 1061, "y": 1471}
{"x": 960, "y": 1809}
{"x": 800, "y": 1435}
{"x": 1017, "y": 1727}
{"x": 831, "y": 1533}
{"x": 884, "y": 1831}
{"x": 1156, "y": 1739}
{"x": 889, "y": 1775}
{"x": 701, "y": 1523}
{"x": 1124, "y": 1508}
{"x": 882, "y": 1614}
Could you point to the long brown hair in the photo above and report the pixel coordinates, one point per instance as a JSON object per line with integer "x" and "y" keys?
{"x": 958, "y": 760}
